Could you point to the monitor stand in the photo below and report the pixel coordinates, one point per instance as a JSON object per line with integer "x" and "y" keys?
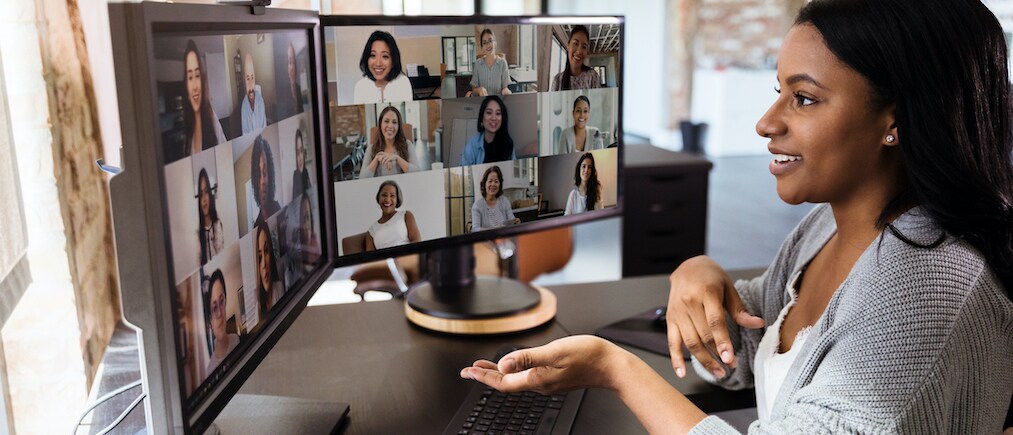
{"x": 262, "y": 414}
{"x": 454, "y": 300}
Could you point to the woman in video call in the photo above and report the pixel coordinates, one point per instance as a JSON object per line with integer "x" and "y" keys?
{"x": 586, "y": 193}
{"x": 492, "y": 210}
{"x": 212, "y": 238}
{"x": 223, "y": 342}
{"x": 576, "y": 75}
{"x": 382, "y": 79}
{"x": 301, "y": 176}
{"x": 580, "y": 137}
{"x": 491, "y": 74}
{"x": 394, "y": 228}
{"x": 203, "y": 131}
{"x": 308, "y": 248}
{"x": 262, "y": 176}
{"x": 269, "y": 285}
{"x": 390, "y": 153}
{"x": 888, "y": 309}
{"x": 493, "y": 142}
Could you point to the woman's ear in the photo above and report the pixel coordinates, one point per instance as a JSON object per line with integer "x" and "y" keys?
{"x": 890, "y": 137}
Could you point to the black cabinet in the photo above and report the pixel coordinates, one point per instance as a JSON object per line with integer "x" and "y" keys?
{"x": 665, "y": 211}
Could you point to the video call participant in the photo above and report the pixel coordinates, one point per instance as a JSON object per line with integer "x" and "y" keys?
{"x": 290, "y": 94}
{"x": 262, "y": 176}
{"x": 586, "y": 194}
{"x": 493, "y": 142}
{"x": 209, "y": 230}
{"x": 200, "y": 124}
{"x": 254, "y": 117}
{"x": 888, "y": 309}
{"x": 491, "y": 74}
{"x": 390, "y": 153}
{"x": 223, "y": 342}
{"x": 394, "y": 228}
{"x": 301, "y": 176}
{"x": 383, "y": 80}
{"x": 308, "y": 246}
{"x": 269, "y": 286}
{"x": 492, "y": 210}
{"x": 580, "y": 137}
{"x": 576, "y": 75}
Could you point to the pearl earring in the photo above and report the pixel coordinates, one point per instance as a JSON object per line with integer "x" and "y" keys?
{"x": 890, "y": 138}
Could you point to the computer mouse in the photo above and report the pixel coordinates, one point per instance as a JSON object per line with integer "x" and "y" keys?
{"x": 660, "y": 320}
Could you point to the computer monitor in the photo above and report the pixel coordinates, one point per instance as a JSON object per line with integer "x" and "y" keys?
{"x": 222, "y": 214}
{"x": 252, "y": 168}
{"x": 478, "y": 128}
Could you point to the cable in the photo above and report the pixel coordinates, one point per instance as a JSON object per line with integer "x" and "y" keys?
{"x": 102, "y": 400}
{"x": 123, "y": 415}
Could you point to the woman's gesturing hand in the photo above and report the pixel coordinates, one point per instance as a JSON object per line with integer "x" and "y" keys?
{"x": 700, "y": 294}
{"x": 581, "y": 361}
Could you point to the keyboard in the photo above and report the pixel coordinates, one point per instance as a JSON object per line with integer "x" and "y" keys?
{"x": 489, "y": 412}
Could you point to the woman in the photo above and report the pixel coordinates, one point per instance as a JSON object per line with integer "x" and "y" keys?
{"x": 301, "y": 176}
{"x": 492, "y": 210}
{"x": 209, "y": 232}
{"x": 262, "y": 176}
{"x": 576, "y": 75}
{"x": 223, "y": 343}
{"x": 382, "y": 79}
{"x": 493, "y": 142}
{"x": 491, "y": 74}
{"x": 888, "y": 309}
{"x": 580, "y": 137}
{"x": 390, "y": 153}
{"x": 200, "y": 124}
{"x": 394, "y": 228}
{"x": 309, "y": 244}
{"x": 586, "y": 193}
{"x": 269, "y": 285}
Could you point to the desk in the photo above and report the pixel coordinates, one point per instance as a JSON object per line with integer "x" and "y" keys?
{"x": 401, "y": 379}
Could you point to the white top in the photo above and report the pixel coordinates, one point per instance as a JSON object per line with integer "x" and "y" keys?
{"x": 770, "y": 367}
{"x": 568, "y": 140}
{"x": 577, "y": 203}
{"x": 394, "y": 232}
{"x": 253, "y": 118}
{"x": 399, "y": 89}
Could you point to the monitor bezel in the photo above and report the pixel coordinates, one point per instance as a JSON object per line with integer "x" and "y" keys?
{"x": 140, "y": 25}
{"x": 329, "y": 21}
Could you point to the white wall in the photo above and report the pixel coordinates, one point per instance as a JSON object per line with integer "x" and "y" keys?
{"x": 731, "y": 102}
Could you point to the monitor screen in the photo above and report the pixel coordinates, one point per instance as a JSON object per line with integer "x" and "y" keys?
{"x": 450, "y": 130}
{"x": 223, "y": 174}
{"x": 238, "y": 149}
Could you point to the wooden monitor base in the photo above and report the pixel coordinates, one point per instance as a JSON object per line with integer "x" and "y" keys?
{"x": 539, "y": 315}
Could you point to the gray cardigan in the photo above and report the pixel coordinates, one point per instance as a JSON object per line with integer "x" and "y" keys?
{"x": 914, "y": 340}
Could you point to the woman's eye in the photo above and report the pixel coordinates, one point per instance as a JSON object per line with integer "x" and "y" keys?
{"x": 803, "y": 100}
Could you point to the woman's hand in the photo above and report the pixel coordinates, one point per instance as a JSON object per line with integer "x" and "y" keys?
{"x": 480, "y": 91}
{"x": 517, "y": 221}
{"x": 581, "y": 361}
{"x": 701, "y": 292}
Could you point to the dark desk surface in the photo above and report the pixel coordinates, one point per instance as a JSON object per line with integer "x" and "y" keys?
{"x": 401, "y": 379}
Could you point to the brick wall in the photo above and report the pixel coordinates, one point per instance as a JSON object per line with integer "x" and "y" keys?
{"x": 740, "y": 33}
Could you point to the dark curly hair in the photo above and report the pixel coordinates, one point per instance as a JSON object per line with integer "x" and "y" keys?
{"x": 593, "y": 186}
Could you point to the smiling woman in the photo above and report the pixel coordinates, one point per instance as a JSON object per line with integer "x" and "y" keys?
{"x": 891, "y": 299}
{"x": 394, "y": 228}
{"x": 382, "y": 77}
{"x": 390, "y": 153}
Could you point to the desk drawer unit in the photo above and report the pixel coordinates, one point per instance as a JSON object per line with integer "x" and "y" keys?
{"x": 665, "y": 216}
